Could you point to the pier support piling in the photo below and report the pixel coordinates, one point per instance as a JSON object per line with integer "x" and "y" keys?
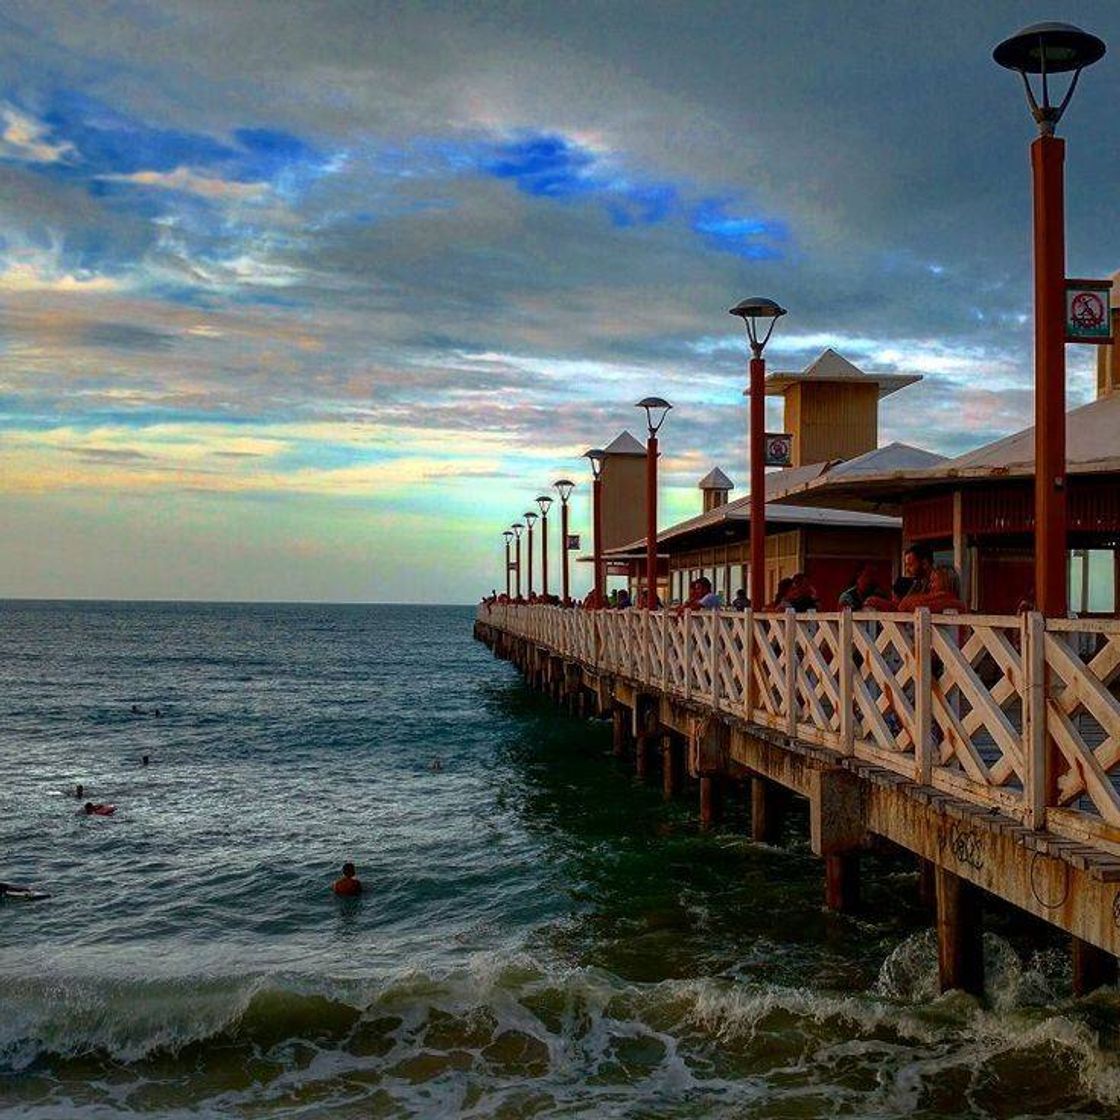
{"x": 620, "y": 726}
{"x": 769, "y": 802}
{"x": 960, "y": 944}
{"x": 670, "y": 768}
{"x": 711, "y": 800}
{"x": 841, "y": 882}
{"x": 1093, "y": 968}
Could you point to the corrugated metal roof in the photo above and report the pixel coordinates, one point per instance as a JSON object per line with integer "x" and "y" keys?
{"x": 1092, "y": 447}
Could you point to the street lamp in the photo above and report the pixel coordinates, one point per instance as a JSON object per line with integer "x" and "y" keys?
{"x": 1046, "y": 49}
{"x": 517, "y": 527}
{"x": 544, "y": 502}
{"x": 756, "y": 312}
{"x": 656, "y": 411}
{"x": 596, "y": 457}
{"x": 508, "y": 534}
{"x": 564, "y": 488}
{"x": 530, "y": 516}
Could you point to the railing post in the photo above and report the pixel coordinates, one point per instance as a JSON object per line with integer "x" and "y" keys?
{"x": 845, "y": 667}
{"x": 1033, "y": 645}
{"x": 791, "y": 672}
{"x": 713, "y": 659}
{"x": 664, "y": 651}
{"x": 748, "y": 675}
{"x": 687, "y": 616}
{"x": 923, "y": 697}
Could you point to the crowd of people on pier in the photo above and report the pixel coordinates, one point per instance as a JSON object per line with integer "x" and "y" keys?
{"x": 923, "y": 583}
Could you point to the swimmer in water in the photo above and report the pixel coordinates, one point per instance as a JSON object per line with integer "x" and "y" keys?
{"x": 349, "y": 886}
{"x": 79, "y": 791}
{"x": 13, "y": 891}
{"x": 97, "y": 809}
{"x": 143, "y": 760}
{"x": 436, "y": 766}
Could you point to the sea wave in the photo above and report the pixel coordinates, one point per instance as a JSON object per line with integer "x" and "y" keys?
{"x": 539, "y": 1039}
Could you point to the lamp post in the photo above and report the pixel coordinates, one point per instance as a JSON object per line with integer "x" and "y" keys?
{"x": 1046, "y": 49}
{"x": 517, "y": 527}
{"x": 656, "y": 411}
{"x": 544, "y": 503}
{"x": 508, "y": 534}
{"x": 595, "y": 457}
{"x": 564, "y": 488}
{"x": 755, "y": 312}
{"x": 530, "y": 516}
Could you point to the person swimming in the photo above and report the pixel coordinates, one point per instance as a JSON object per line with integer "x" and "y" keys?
{"x": 349, "y": 886}
{"x": 11, "y": 890}
{"x": 97, "y": 809}
{"x": 144, "y": 760}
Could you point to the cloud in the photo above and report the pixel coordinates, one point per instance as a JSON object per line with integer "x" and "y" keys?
{"x": 183, "y": 179}
{"x": 25, "y": 139}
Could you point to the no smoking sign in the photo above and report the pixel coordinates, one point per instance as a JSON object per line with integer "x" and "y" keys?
{"x": 1088, "y": 315}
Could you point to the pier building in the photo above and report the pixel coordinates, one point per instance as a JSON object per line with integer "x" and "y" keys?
{"x": 831, "y": 415}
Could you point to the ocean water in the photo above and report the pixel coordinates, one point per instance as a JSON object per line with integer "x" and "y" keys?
{"x": 540, "y": 935}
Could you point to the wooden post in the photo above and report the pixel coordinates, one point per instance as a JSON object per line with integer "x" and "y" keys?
{"x": 841, "y": 882}
{"x": 665, "y": 651}
{"x": 846, "y": 668}
{"x": 670, "y": 777}
{"x": 618, "y": 728}
{"x": 686, "y": 619}
{"x": 927, "y": 885}
{"x": 711, "y": 800}
{"x": 923, "y": 697}
{"x": 748, "y": 675}
{"x": 960, "y": 946}
{"x": 768, "y": 810}
{"x": 641, "y": 755}
{"x": 1033, "y": 645}
{"x": 713, "y": 658}
{"x": 791, "y": 672}
{"x": 1093, "y": 968}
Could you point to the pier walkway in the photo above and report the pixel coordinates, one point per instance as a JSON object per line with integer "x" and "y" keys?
{"x": 988, "y": 746}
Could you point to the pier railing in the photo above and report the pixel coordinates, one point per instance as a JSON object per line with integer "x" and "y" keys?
{"x": 973, "y": 705}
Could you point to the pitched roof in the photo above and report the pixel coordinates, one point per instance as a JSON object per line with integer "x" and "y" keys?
{"x": 1092, "y": 447}
{"x": 715, "y": 479}
{"x": 739, "y": 511}
{"x": 624, "y": 444}
{"x": 831, "y": 367}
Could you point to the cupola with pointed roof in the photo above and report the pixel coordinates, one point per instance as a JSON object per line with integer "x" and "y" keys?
{"x": 716, "y": 487}
{"x": 832, "y": 407}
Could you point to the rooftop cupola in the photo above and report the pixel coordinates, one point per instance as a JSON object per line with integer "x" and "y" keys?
{"x": 832, "y": 407}
{"x": 715, "y": 486}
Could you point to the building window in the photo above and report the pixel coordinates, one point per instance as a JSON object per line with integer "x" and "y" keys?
{"x": 1092, "y": 581}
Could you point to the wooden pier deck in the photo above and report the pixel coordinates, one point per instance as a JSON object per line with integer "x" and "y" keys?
{"x": 987, "y": 746}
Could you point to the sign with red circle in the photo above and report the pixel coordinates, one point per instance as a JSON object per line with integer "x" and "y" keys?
{"x": 1088, "y": 311}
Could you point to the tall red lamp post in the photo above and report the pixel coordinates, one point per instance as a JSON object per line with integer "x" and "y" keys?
{"x": 530, "y": 516}
{"x": 656, "y": 411}
{"x": 564, "y": 488}
{"x": 517, "y": 528}
{"x": 508, "y": 534}
{"x": 758, "y": 312}
{"x": 544, "y": 503}
{"x": 1046, "y": 49}
{"x": 595, "y": 457}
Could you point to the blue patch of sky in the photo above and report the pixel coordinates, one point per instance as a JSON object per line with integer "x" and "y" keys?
{"x": 554, "y": 168}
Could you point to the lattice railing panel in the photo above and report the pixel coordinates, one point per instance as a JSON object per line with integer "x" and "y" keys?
{"x": 883, "y": 685}
{"x": 767, "y": 668}
{"x": 817, "y": 679}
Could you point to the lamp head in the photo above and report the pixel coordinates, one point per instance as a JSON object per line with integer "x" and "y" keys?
{"x": 656, "y": 411}
{"x": 595, "y": 456}
{"x": 1045, "y": 49}
{"x": 530, "y": 516}
{"x": 508, "y": 534}
{"x": 544, "y": 503}
{"x": 517, "y": 528}
{"x": 758, "y": 312}
{"x": 564, "y": 486}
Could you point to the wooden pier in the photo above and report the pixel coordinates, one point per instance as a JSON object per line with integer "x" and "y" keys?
{"x": 987, "y": 746}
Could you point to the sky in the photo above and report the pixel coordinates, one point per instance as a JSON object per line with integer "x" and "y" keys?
{"x": 309, "y": 300}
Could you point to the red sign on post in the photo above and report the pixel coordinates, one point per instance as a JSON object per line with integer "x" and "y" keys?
{"x": 1088, "y": 311}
